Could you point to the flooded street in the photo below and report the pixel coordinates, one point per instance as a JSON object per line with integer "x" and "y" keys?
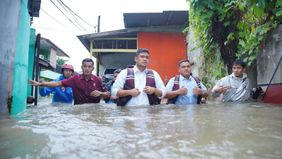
{"x": 249, "y": 130}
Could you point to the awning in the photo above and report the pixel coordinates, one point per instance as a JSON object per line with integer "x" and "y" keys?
{"x": 49, "y": 74}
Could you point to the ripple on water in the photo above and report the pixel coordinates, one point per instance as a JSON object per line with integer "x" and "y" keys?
{"x": 166, "y": 131}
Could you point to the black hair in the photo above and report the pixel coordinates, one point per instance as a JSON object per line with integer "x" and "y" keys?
{"x": 239, "y": 62}
{"x": 88, "y": 60}
{"x": 181, "y": 61}
{"x": 141, "y": 50}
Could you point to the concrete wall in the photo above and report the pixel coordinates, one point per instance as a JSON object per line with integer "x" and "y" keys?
{"x": 9, "y": 19}
{"x": 194, "y": 52}
{"x": 20, "y": 80}
{"x": 166, "y": 49}
{"x": 269, "y": 57}
{"x": 53, "y": 57}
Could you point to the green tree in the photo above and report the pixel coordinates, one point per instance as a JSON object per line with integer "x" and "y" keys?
{"x": 60, "y": 61}
{"x": 232, "y": 29}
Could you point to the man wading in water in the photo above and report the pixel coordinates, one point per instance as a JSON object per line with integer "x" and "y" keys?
{"x": 61, "y": 94}
{"x": 234, "y": 87}
{"x": 185, "y": 89}
{"x": 139, "y": 85}
{"x": 87, "y": 88}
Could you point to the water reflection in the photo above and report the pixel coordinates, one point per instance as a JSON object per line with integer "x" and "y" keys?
{"x": 249, "y": 130}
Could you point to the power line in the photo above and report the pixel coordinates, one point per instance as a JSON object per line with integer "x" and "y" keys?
{"x": 65, "y": 15}
{"x": 77, "y": 14}
{"x": 72, "y": 16}
{"x": 54, "y": 18}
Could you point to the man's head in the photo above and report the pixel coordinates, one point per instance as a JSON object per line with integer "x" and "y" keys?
{"x": 116, "y": 72}
{"x": 184, "y": 68}
{"x": 67, "y": 70}
{"x": 238, "y": 68}
{"x": 87, "y": 66}
{"x": 142, "y": 57}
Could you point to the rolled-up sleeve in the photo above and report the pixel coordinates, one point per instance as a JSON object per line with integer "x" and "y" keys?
{"x": 119, "y": 83}
{"x": 159, "y": 84}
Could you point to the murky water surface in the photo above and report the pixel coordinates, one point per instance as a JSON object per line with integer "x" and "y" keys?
{"x": 249, "y": 130}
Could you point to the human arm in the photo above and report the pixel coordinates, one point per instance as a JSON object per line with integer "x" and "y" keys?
{"x": 103, "y": 95}
{"x": 43, "y": 91}
{"x": 118, "y": 90}
{"x": 152, "y": 90}
{"x": 132, "y": 92}
{"x": 101, "y": 90}
{"x": 220, "y": 87}
{"x": 201, "y": 91}
{"x": 159, "y": 91}
{"x": 170, "y": 93}
{"x": 46, "y": 84}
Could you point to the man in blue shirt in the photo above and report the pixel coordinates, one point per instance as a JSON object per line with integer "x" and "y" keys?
{"x": 184, "y": 89}
{"x": 61, "y": 94}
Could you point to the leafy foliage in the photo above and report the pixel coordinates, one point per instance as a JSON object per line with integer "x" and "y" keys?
{"x": 60, "y": 61}
{"x": 232, "y": 29}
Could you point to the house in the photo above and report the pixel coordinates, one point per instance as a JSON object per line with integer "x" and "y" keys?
{"x": 161, "y": 33}
{"x": 48, "y": 55}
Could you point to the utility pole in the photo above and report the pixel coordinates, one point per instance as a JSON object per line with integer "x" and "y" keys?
{"x": 98, "y": 28}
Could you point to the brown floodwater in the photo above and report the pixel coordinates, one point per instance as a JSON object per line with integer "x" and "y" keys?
{"x": 230, "y": 130}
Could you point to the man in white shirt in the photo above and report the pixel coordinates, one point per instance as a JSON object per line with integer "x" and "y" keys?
{"x": 139, "y": 85}
{"x": 234, "y": 87}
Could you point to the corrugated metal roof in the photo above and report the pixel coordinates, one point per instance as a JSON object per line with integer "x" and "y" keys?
{"x": 85, "y": 39}
{"x": 166, "y": 21}
{"x": 166, "y": 18}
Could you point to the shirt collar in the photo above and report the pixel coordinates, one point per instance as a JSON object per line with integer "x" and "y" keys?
{"x": 81, "y": 77}
{"x": 182, "y": 78}
{"x": 135, "y": 69}
{"x": 233, "y": 76}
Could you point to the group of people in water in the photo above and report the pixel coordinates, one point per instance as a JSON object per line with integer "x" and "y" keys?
{"x": 143, "y": 86}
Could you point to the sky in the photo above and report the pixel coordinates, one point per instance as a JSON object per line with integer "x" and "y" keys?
{"x": 55, "y": 26}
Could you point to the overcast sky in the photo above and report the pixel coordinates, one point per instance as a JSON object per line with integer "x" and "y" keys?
{"x": 52, "y": 24}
